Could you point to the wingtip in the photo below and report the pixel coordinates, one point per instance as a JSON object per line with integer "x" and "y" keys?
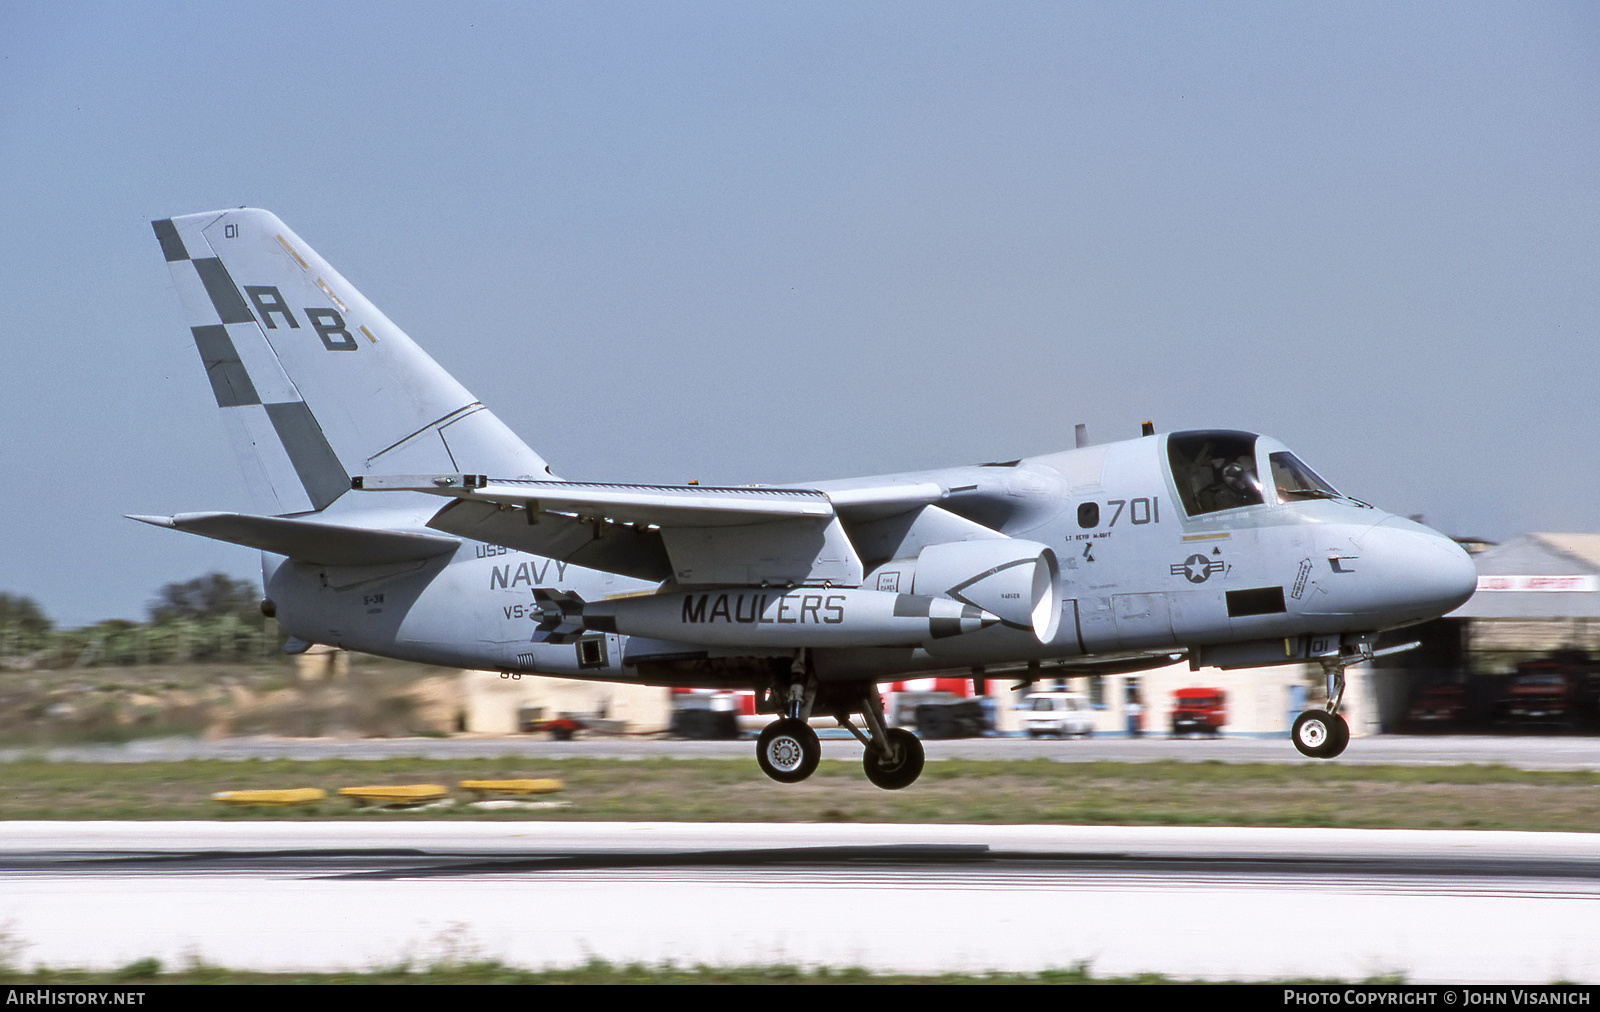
{"x": 152, "y": 521}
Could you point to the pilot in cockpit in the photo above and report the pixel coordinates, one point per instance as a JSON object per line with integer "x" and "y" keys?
{"x": 1237, "y": 478}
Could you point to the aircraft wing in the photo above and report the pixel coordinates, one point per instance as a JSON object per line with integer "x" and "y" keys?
{"x": 655, "y": 505}
{"x": 695, "y": 534}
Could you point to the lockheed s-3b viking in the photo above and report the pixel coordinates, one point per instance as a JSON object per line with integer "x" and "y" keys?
{"x": 397, "y": 515}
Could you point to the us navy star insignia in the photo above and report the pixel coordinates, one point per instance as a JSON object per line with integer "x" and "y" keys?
{"x": 1197, "y": 568}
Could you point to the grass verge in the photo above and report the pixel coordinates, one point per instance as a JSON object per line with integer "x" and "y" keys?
{"x": 950, "y": 791}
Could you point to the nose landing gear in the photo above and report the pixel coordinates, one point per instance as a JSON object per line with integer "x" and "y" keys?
{"x": 1320, "y": 734}
{"x": 1323, "y": 734}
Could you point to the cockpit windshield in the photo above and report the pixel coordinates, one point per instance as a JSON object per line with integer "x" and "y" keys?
{"x": 1296, "y": 482}
{"x": 1214, "y": 470}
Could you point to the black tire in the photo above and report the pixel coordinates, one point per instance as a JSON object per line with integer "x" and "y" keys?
{"x": 1341, "y": 736}
{"x": 903, "y": 768}
{"x": 788, "y": 750}
{"x": 1317, "y": 734}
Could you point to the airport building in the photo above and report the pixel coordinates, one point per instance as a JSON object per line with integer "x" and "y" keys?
{"x": 1536, "y": 593}
{"x": 1518, "y": 655}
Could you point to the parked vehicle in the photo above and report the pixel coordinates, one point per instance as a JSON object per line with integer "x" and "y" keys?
{"x": 1437, "y": 708}
{"x": 531, "y": 720}
{"x": 1057, "y": 713}
{"x": 1541, "y": 692}
{"x": 955, "y": 718}
{"x": 1198, "y": 711}
{"x": 705, "y": 715}
{"x": 939, "y": 708}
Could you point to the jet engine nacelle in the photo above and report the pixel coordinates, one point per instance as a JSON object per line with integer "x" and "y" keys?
{"x": 1013, "y": 579}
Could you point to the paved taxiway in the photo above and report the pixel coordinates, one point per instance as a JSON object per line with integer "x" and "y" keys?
{"x": 1190, "y": 903}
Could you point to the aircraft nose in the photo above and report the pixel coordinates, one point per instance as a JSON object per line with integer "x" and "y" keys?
{"x": 1421, "y": 574}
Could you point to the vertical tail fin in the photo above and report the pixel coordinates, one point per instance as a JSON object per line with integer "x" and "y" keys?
{"x": 314, "y": 382}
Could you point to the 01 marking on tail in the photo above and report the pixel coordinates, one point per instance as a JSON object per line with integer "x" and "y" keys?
{"x": 397, "y": 515}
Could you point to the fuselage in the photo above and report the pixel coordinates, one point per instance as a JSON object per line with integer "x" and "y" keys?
{"x": 1220, "y": 543}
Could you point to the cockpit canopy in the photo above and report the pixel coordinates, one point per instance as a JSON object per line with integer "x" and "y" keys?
{"x": 1216, "y": 470}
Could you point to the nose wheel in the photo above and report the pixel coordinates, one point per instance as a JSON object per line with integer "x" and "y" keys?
{"x": 1319, "y": 734}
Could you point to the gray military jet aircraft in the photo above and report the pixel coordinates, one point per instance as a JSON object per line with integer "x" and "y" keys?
{"x": 397, "y": 515}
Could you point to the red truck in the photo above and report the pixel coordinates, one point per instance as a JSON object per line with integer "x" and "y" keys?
{"x": 1199, "y": 711}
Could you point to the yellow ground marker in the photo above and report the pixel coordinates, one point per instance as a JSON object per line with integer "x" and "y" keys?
{"x": 512, "y": 786}
{"x": 296, "y": 796}
{"x": 401, "y": 796}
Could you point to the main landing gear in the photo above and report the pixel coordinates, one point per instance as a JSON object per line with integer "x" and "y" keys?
{"x": 788, "y": 750}
{"x": 897, "y": 763}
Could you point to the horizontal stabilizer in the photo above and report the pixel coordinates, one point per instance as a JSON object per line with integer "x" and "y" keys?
{"x": 310, "y": 540}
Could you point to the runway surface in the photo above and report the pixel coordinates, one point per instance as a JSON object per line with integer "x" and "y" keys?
{"x": 1239, "y": 904}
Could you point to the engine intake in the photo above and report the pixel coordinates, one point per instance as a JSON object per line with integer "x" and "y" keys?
{"x": 1013, "y": 579}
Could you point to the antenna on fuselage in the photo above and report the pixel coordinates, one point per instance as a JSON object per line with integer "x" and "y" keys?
{"x": 1080, "y": 435}
{"x": 1147, "y": 429}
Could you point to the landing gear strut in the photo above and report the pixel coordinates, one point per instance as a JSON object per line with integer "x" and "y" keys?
{"x": 788, "y": 750}
{"x": 893, "y": 758}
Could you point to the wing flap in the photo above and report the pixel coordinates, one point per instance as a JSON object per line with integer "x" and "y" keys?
{"x": 612, "y": 548}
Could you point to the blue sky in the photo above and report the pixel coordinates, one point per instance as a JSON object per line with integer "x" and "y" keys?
{"x": 775, "y": 242}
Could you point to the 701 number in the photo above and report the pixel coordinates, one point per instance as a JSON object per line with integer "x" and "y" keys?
{"x": 1140, "y": 511}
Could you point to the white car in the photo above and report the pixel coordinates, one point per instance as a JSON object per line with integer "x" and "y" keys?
{"x": 1057, "y": 713}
